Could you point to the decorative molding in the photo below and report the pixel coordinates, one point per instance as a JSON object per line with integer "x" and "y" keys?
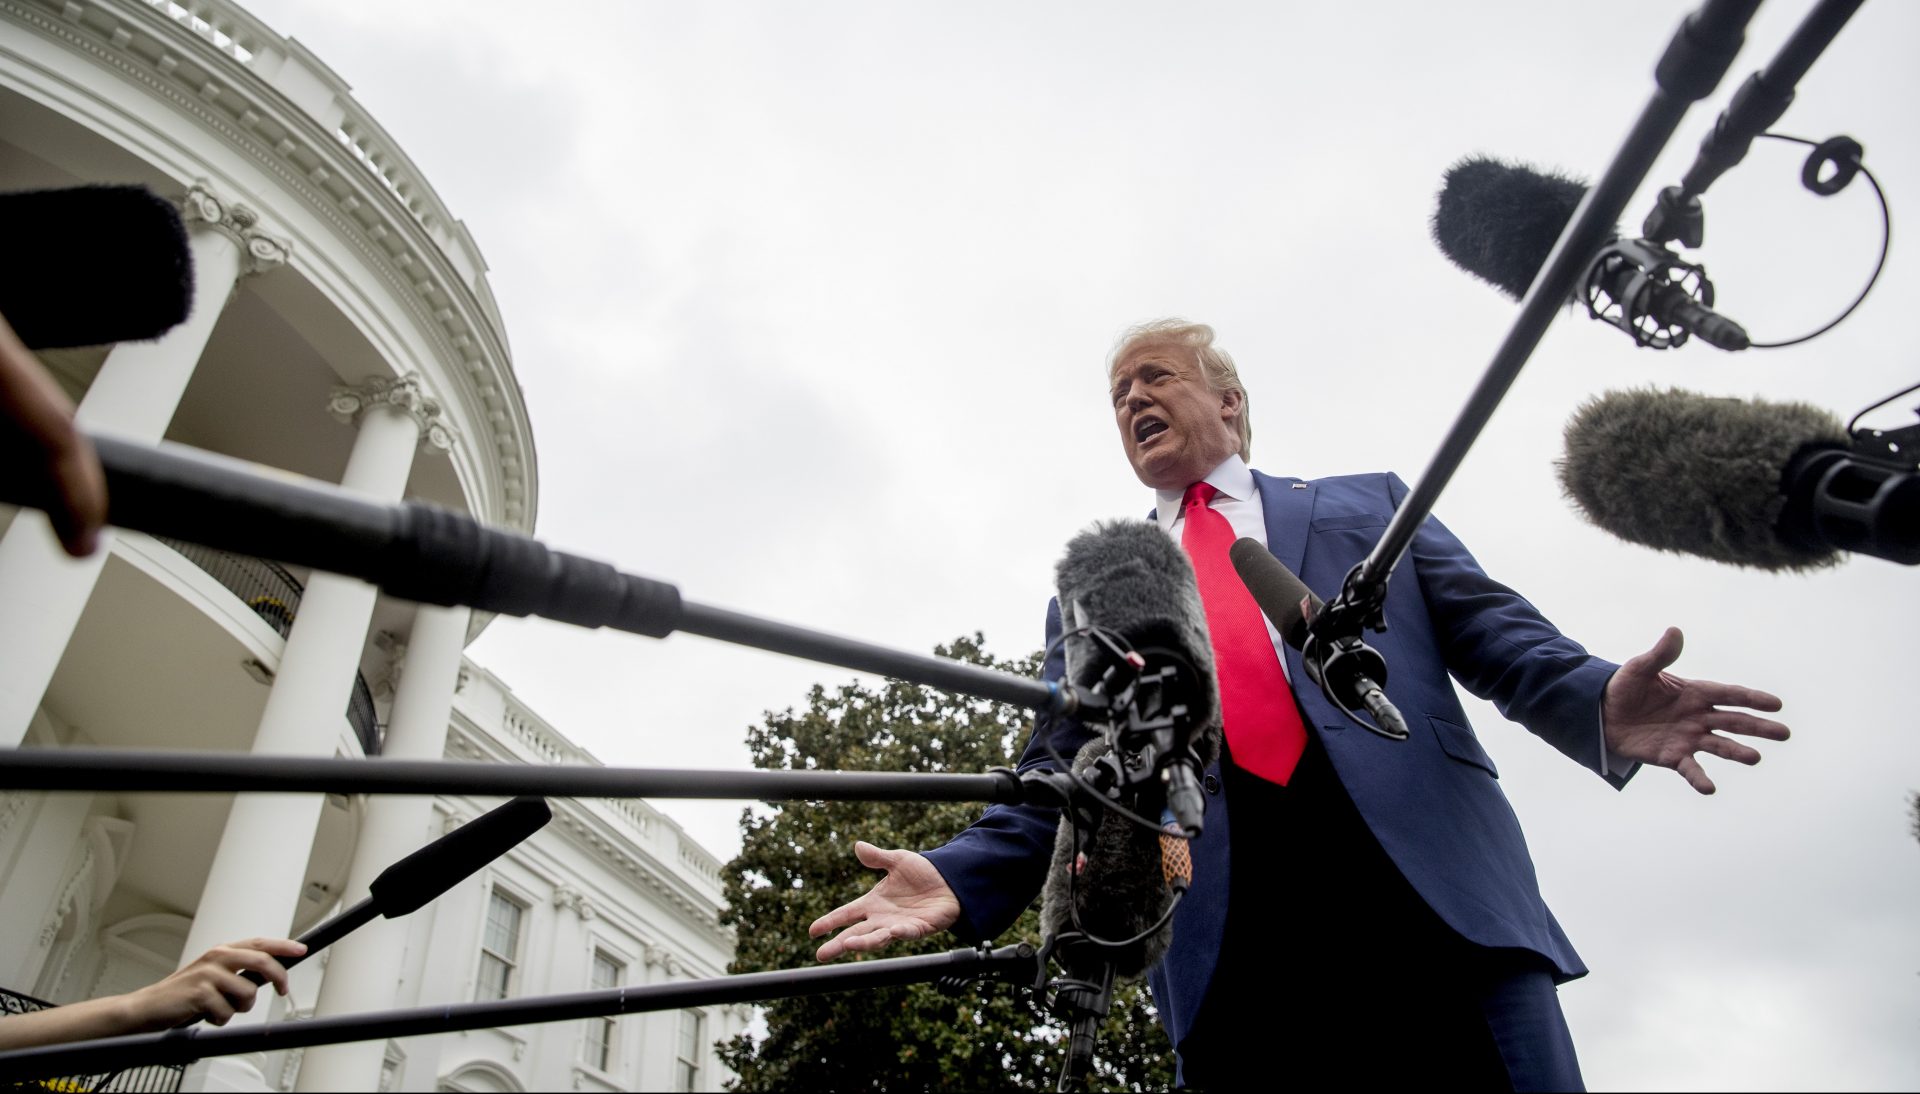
{"x": 566, "y": 896}
{"x": 390, "y": 644}
{"x": 405, "y": 393}
{"x": 259, "y": 251}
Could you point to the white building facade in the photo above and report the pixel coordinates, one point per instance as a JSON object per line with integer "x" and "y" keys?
{"x": 342, "y": 329}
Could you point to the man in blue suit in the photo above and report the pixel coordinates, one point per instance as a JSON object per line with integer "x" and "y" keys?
{"x": 1366, "y": 911}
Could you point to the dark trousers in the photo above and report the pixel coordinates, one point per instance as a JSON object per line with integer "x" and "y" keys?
{"x": 1334, "y": 971}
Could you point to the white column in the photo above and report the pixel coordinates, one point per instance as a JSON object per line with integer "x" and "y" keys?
{"x": 134, "y": 396}
{"x": 363, "y": 971}
{"x": 253, "y": 887}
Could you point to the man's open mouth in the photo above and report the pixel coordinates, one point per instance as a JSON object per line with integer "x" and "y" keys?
{"x": 1147, "y": 427}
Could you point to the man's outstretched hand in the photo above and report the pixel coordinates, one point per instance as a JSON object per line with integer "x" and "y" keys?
{"x": 911, "y": 902}
{"x": 1655, "y": 717}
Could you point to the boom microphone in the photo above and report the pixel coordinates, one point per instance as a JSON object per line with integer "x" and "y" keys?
{"x": 1500, "y": 221}
{"x": 1352, "y": 676}
{"x": 408, "y": 885}
{"x": 1136, "y": 634}
{"x": 1773, "y": 486}
{"x": 93, "y": 264}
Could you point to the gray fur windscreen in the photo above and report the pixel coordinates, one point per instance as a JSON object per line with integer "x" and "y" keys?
{"x": 1694, "y": 474}
{"x": 1131, "y": 578}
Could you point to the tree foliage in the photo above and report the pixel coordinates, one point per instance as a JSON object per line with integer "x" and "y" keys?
{"x": 797, "y": 864}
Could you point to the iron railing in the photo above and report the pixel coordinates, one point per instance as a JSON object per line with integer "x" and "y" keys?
{"x": 163, "y": 1078}
{"x": 274, "y": 595}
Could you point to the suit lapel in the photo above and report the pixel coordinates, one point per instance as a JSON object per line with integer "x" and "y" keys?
{"x": 1288, "y": 508}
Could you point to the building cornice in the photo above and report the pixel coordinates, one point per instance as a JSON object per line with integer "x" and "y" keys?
{"x": 216, "y": 64}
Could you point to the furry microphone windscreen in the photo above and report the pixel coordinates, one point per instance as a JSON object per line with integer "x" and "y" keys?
{"x": 1499, "y": 221}
{"x": 1693, "y": 474}
{"x": 1132, "y": 578}
{"x": 92, "y": 265}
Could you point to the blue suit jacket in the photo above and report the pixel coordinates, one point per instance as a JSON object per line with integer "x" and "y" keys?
{"x": 1432, "y": 801}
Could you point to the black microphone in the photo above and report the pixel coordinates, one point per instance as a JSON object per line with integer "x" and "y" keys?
{"x": 91, "y": 265}
{"x": 1135, "y": 635}
{"x": 1500, "y": 221}
{"x": 406, "y": 886}
{"x": 1773, "y": 486}
{"x": 1352, "y": 673}
{"x": 1129, "y": 580}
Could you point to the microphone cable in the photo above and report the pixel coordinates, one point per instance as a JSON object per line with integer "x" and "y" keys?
{"x": 1113, "y": 642}
{"x": 1844, "y": 155}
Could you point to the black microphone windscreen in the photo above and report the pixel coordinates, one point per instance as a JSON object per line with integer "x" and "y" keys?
{"x": 1275, "y": 588}
{"x": 1694, "y": 474}
{"x": 1132, "y": 578}
{"x": 1499, "y": 221}
{"x": 409, "y": 884}
{"x": 91, "y": 265}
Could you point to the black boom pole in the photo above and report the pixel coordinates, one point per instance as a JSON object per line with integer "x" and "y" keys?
{"x": 183, "y": 770}
{"x": 1696, "y": 58}
{"x": 1016, "y": 964}
{"x": 432, "y": 555}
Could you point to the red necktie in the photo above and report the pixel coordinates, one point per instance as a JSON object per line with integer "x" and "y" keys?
{"x": 1262, "y": 725}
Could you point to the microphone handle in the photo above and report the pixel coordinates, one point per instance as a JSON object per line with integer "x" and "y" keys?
{"x": 1185, "y": 802}
{"x": 1385, "y": 714}
{"x": 1672, "y": 305}
{"x": 326, "y": 934}
{"x": 1080, "y": 1045}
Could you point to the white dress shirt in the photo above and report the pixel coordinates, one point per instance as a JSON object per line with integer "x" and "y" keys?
{"x": 1237, "y": 500}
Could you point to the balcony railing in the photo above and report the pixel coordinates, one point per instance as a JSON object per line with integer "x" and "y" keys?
{"x": 158, "y": 1077}
{"x": 274, "y": 595}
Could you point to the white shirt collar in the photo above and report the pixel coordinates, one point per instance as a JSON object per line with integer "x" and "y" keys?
{"x": 1232, "y": 478}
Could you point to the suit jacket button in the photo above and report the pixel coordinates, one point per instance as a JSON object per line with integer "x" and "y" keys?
{"x": 1212, "y": 784}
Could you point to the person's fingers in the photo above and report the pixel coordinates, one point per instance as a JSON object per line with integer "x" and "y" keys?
{"x": 83, "y": 489}
{"x": 866, "y": 941}
{"x": 853, "y": 911}
{"x": 1733, "y": 695}
{"x": 875, "y": 858}
{"x": 212, "y": 1006}
{"x": 1730, "y": 750}
{"x": 843, "y": 942}
{"x": 1663, "y": 654}
{"x": 279, "y": 947}
{"x": 1696, "y": 777}
{"x": 240, "y": 958}
{"x": 1732, "y": 721}
{"x": 35, "y": 404}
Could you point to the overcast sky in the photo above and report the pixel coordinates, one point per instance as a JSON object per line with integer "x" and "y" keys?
{"x": 810, "y": 305}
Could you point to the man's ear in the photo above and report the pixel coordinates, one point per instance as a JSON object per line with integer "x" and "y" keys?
{"x": 1231, "y": 399}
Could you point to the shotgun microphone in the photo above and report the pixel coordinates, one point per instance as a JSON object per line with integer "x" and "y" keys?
{"x": 1771, "y": 486}
{"x": 1500, "y": 221}
{"x": 1352, "y": 672}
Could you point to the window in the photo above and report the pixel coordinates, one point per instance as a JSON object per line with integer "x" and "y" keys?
{"x": 499, "y": 946}
{"x": 607, "y": 973}
{"x": 686, "y": 1068}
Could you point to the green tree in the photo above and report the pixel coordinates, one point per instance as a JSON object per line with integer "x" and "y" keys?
{"x": 797, "y": 864}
